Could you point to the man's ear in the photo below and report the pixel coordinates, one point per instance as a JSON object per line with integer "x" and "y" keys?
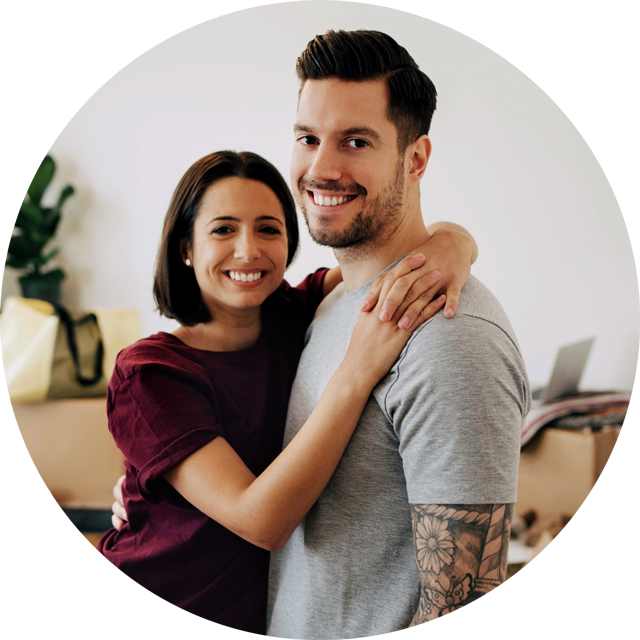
{"x": 419, "y": 152}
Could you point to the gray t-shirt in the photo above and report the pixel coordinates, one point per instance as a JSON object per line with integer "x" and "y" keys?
{"x": 443, "y": 427}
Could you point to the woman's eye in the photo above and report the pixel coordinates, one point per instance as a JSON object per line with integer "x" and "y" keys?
{"x": 222, "y": 231}
{"x": 272, "y": 231}
{"x": 357, "y": 143}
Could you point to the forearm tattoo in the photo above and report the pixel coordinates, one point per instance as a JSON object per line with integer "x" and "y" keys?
{"x": 461, "y": 553}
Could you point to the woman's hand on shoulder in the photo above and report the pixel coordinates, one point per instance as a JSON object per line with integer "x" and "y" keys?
{"x": 375, "y": 346}
{"x": 421, "y": 281}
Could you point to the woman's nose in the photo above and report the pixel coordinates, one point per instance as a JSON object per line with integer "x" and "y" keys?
{"x": 247, "y": 247}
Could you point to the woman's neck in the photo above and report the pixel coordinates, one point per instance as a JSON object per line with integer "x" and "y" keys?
{"x": 228, "y": 332}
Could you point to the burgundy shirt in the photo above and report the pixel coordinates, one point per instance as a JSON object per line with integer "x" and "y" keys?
{"x": 165, "y": 401}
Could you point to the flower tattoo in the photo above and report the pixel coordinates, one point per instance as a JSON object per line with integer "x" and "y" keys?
{"x": 434, "y": 544}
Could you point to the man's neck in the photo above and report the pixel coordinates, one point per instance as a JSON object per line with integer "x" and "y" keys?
{"x": 360, "y": 264}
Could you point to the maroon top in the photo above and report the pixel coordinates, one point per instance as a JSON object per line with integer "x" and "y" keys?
{"x": 165, "y": 401}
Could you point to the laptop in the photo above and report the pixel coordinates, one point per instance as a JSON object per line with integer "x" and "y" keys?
{"x": 567, "y": 371}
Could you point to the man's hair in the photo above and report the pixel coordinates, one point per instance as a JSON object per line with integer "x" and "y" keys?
{"x": 358, "y": 56}
{"x": 175, "y": 288}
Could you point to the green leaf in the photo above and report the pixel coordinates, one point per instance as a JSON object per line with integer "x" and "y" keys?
{"x": 51, "y": 223}
{"x": 30, "y": 216}
{"x": 49, "y": 256}
{"x": 53, "y": 218}
{"x": 39, "y": 237}
{"x": 42, "y": 179}
{"x": 50, "y": 277}
{"x": 15, "y": 263}
{"x": 23, "y": 248}
{"x": 66, "y": 192}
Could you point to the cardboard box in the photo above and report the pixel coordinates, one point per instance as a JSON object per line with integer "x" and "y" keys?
{"x": 548, "y": 599}
{"x": 71, "y": 447}
{"x": 24, "y": 532}
{"x": 558, "y": 468}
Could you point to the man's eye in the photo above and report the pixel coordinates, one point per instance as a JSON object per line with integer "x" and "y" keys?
{"x": 307, "y": 140}
{"x": 357, "y": 143}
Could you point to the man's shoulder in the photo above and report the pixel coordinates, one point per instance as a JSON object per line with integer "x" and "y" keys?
{"x": 476, "y": 348}
{"x": 479, "y": 317}
{"x": 477, "y": 301}
{"x": 459, "y": 372}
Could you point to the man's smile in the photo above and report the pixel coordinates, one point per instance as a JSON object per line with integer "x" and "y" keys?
{"x": 329, "y": 201}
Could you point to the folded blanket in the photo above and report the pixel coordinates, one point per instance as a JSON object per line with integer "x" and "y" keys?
{"x": 576, "y": 412}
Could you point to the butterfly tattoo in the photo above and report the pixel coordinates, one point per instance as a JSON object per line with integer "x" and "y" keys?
{"x": 447, "y": 595}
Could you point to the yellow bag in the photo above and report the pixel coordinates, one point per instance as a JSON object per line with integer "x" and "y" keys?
{"x": 49, "y": 353}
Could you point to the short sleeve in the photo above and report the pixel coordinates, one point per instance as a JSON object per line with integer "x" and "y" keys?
{"x": 159, "y": 416}
{"x": 294, "y": 307}
{"x": 312, "y": 287}
{"x": 457, "y": 398}
{"x": 309, "y": 292}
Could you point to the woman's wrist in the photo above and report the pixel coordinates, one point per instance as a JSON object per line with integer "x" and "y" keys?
{"x": 355, "y": 379}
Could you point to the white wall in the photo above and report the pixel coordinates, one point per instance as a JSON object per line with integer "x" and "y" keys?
{"x": 507, "y": 165}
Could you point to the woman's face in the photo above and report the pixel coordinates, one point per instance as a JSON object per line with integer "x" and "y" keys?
{"x": 239, "y": 249}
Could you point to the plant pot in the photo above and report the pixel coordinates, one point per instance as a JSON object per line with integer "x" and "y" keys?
{"x": 49, "y": 291}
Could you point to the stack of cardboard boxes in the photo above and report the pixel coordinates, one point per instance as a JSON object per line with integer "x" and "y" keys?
{"x": 558, "y": 469}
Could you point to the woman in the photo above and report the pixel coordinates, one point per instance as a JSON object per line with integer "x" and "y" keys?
{"x": 199, "y": 414}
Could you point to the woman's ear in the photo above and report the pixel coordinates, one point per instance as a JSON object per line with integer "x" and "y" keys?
{"x": 186, "y": 253}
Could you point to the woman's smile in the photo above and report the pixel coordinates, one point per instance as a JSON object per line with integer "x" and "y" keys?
{"x": 246, "y": 278}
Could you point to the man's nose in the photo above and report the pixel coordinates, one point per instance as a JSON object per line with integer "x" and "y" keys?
{"x": 326, "y": 163}
{"x": 247, "y": 247}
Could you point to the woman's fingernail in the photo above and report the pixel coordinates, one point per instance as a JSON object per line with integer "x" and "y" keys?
{"x": 448, "y": 312}
{"x": 435, "y": 275}
{"x": 418, "y": 256}
{"x": 385, "y": 315}
{"x": 405, "y": 323}
{"x": 364, "y": 306}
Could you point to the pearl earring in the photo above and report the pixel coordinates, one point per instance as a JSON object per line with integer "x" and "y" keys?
{"x": 187, "y": 262}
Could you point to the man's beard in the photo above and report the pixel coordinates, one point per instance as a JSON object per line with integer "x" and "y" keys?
{"x": 371, "y": 225}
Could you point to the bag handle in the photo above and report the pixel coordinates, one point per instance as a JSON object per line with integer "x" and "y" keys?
{"x": 70, "y": 328}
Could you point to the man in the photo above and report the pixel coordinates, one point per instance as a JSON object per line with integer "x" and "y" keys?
{"x": 415, "y": 521}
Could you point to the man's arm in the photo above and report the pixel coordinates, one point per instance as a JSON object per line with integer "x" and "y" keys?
{"x": 461, "y": 553}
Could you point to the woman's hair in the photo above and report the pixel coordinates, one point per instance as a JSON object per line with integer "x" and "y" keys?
{"x": 175, "y": 289}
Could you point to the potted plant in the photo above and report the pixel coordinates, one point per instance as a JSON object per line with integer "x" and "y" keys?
{"x": 35, "y": 226}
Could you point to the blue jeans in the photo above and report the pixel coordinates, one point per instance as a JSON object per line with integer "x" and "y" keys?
{"x": 74, "y": 632}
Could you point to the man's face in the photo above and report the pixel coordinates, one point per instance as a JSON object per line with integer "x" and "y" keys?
{"x": 346, "y": 173}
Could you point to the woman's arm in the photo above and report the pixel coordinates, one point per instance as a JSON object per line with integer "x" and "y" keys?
{"x": 265, "y": 510}
{"x": 441, "y": 265}
{"x": 332, "y": 279}
{"x": 451, "y": 227}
